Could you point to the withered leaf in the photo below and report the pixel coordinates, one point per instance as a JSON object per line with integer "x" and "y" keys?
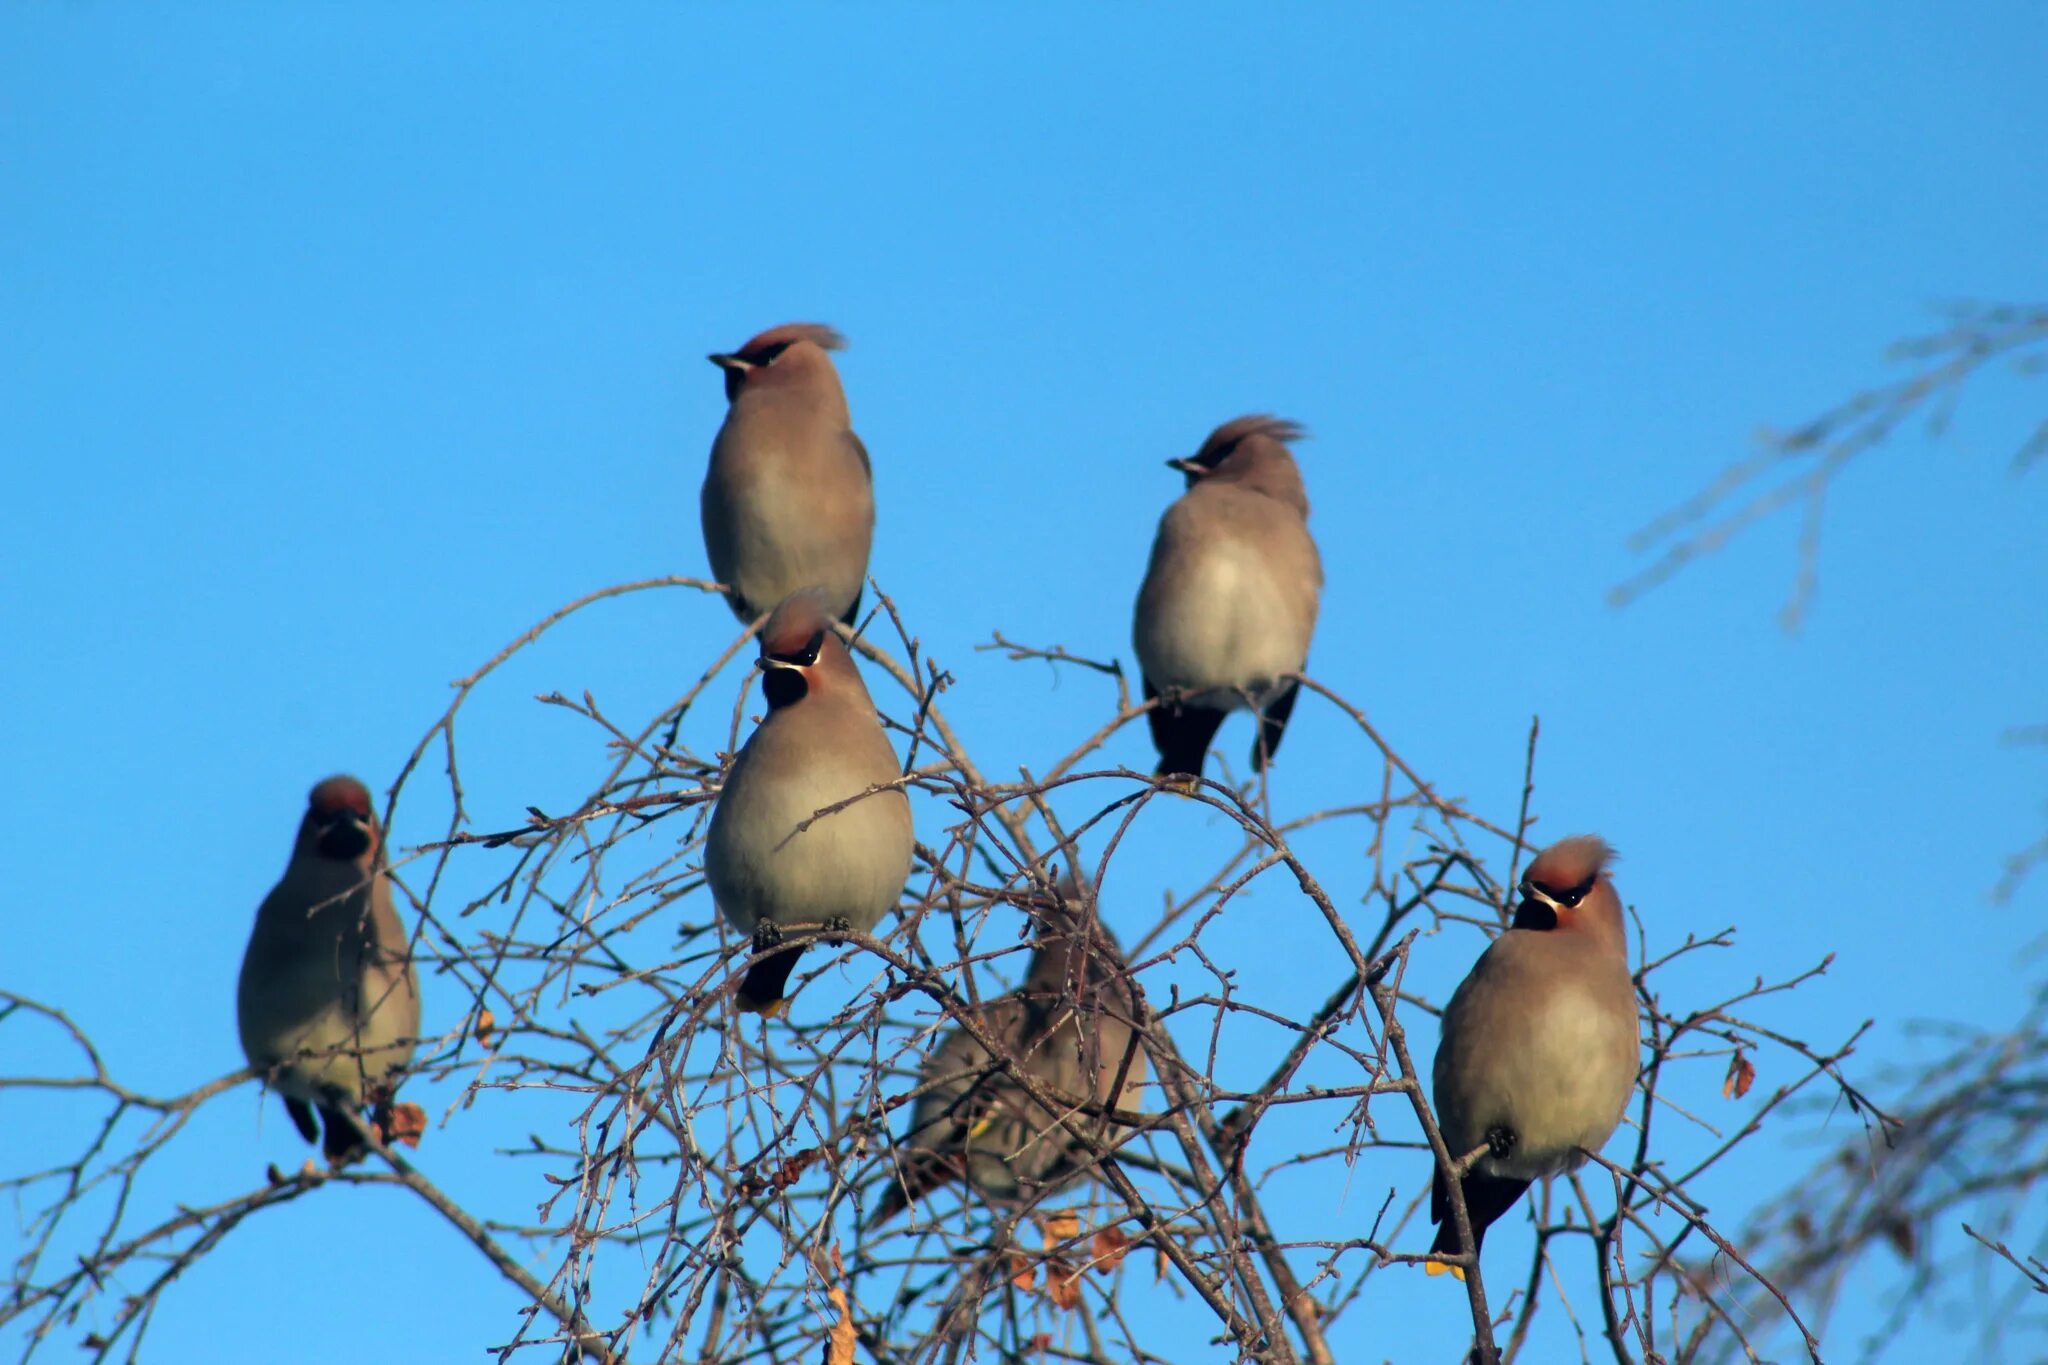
{"x": 1023, "y": 1270}
{"x": 1060, "y": 1227}
{"x": 839, "y": 1348}
{"x": 486, "y": 1024}
{"x": 1741, "y": 1076}
{"x": 406, "y": 1124}
{"x": 1062, "y": 1283}
{"x": 1110, "y": 1244}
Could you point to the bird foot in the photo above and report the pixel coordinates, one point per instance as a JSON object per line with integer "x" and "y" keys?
{"x": 837, "y": 928}
{"x": 766, "y": 935}
{"x": 1501, "y": 1142}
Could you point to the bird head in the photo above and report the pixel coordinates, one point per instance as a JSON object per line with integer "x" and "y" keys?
{"x": 792, "y": 355}
{"x": 799, "y": 650}
{"x": 340, "y": 824}
{"x": 1251, "y": 450}
{"x": 1567, "y": 887}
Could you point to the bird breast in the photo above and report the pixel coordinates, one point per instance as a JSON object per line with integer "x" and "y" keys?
{"x": 1229, "y": 601}
{"x": 1551, "y": 1056}
{"x": 327, "y": 980}
{"x": 787, "y": 505}
{"x": 851, "y": 863}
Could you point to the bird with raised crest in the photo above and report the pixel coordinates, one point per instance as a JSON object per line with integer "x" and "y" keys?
{"x": 788, "y": 501}
{"x": 1230, "y": 596}
{"x": 1540, "y": 1046}
{"x": 808, "y": 830}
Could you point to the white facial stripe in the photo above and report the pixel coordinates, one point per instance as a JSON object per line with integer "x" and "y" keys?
{"x": 1535, "y": 892}
{"x": 770, "y": 661}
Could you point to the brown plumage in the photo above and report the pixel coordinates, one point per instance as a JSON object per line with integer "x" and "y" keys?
{"x": 328, "y": 1005}
{"x": 821, "y": 743}
{"x": 1069, "y": 1027}
{"x": 1540, "y": 1043}
{"x": 1231, "y": 594}
{"x": 788, "y": 499}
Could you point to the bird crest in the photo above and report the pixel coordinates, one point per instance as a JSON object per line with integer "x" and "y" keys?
{"x": 1227, "y": 437}
{"x": 775, "y": 339}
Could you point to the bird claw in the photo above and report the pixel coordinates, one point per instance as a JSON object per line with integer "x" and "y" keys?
{"x": 836, "y": 929}
{"x": 1500, "y": 1142}
{"x": 766, "y": 935}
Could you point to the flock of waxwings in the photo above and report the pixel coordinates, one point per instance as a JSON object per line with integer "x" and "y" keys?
{"x": 1538, "y": 1055}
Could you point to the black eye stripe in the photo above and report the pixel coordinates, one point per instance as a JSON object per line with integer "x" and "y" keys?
{"x": 1568, "y": 897}
{"x": 766, "y": 355}
{"x": 805, "y": 657}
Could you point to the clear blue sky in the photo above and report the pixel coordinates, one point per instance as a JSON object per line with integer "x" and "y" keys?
{"x": 338, "y": 345}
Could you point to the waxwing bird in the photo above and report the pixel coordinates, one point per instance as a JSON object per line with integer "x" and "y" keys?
{"x": 328, "y": 1004}
{"x": 1069, "y": 1027}
{"x": 1540, "y": 1045}
{"x": 820, "y": 745}
{"x": 1229, "y": 599}
{"x": 788, "y": 500}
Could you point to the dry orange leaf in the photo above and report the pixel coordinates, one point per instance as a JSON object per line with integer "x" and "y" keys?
{"x": 406, "y": 1124}
{"x": 1110, "y": 1244}
{"x": 1060, "y": 1227}
{"x": 1023, "y": 1270}
{"x": 1062, "y": 1283}
{"x": 1741, "y": 1076}
{"x": 486, "y": 1023}
{"x": 839, "y": 1347}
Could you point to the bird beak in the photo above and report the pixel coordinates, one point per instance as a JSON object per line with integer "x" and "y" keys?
{"x": 728, "y": 362}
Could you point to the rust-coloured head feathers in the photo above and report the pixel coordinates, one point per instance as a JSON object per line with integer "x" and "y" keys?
{"x": 340, "y": 823}
{"x": 799, "y": 650}
{"x": 1570, "y": 863}
{"x": 1252, "y": 453}
{"x": 1226, "y": 438}
{"x": 1567, "y": 888}
{"x": 790, "y": 355}
{"x": 795, "y": 625}
{"x": 340, "y": 794}
{"x": 788, "y": 334}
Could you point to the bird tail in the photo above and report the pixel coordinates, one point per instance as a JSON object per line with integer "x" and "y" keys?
{"x": 761, "y": 989}
{"x": 1182, "y": 735}
{"x": 1487, "y": 1197}
{"x": 918, "y": 1176}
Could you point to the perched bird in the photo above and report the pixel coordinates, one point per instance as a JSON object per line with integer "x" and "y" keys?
{"x": 328, "y": 1004}
{"x": 788, "y": 501}
{"x": 821, "y": 744}
{"x": 1229, "y": 599}
{"x": 1539, "y": 1048}
{"x": 1069, "y": 1027}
